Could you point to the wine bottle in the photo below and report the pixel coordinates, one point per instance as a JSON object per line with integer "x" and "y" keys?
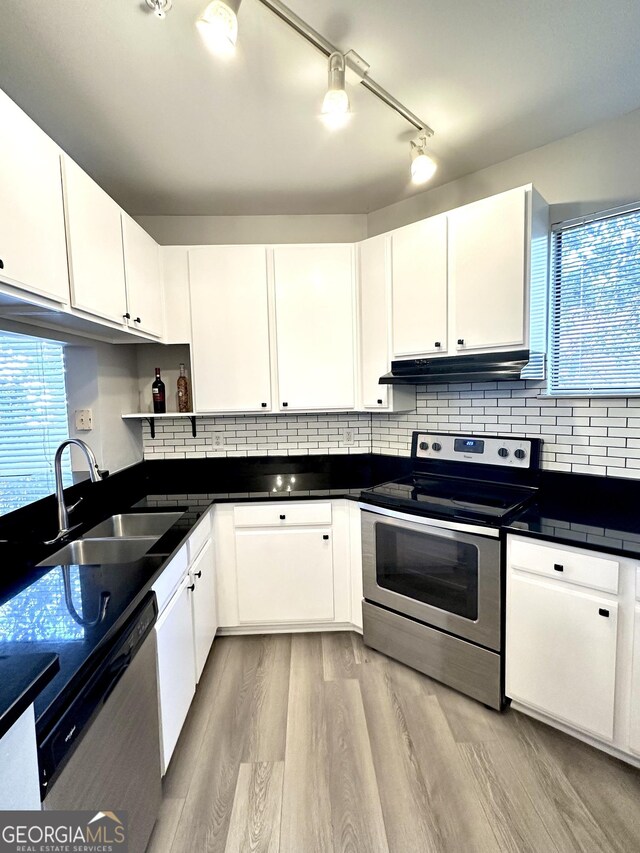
{"x": 158, "y": 395}
{"x": 183, "y": 391}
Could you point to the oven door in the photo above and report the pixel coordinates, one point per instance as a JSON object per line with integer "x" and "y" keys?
{"x": 447, "y": 578}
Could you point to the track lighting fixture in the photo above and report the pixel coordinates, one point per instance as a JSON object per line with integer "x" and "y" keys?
{"x": 336, "y": 107}
{"x": 159, "y": 8}
{"x": 423, "y": 166}
{"x": 218, "y": 26}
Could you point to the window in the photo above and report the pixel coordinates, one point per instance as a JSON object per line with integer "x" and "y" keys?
{"x": 595, "y": 307}
{"x": 33, "y": 418}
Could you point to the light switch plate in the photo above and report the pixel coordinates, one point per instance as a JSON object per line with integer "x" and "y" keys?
{"x": 84, "y": 420}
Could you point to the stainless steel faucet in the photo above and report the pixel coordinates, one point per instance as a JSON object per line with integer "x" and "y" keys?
{"x": 94, "y": 474}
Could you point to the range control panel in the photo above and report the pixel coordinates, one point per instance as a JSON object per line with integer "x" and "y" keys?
{"x": 484, "y": 450}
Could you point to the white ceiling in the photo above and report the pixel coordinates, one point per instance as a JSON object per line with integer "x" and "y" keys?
{"x": 168, "y": 129}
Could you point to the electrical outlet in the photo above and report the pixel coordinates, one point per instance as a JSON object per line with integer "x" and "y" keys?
{"x": 84, "y": 420}
{"x": 348, "y": 437}
{"x": 217, "y": 440}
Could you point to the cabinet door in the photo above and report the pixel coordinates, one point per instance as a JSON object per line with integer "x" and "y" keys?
{"x": 205, "y": 615}
{"x": 94, "y": 239}
{"x": 487, "y": 271}
{"x": 419, "y": 287}
{"x": 561, "y": 653}
{"x": 230, "y": 329}
{"x": 176, "y": 669}
{"x": 634, "y": 734}
{"x": 284, "y": 575}
{"x": 32, "y": 239}
{"x": 314, "y": 287}
{"x": 143, "y": 278}
{"x": 374, "y": 321}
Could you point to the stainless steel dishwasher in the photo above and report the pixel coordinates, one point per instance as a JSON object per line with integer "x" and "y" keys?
{"x": 104, "y": 752}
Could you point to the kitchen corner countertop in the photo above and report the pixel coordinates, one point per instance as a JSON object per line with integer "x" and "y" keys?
{"x": 22, "y": 678}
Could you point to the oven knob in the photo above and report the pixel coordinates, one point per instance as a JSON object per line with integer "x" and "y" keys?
{"x": 424, "y": 445}
{"x": 503, "y": 452}
{"x": 436, "y": 446}
{"x": 520, "y": 454}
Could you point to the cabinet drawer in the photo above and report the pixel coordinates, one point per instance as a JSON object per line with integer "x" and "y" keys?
{"x": 282, "y": 515}
{"x": 568, "y": 564}
{"x": 170, "y": 578}
{"x": 199, "y": 536}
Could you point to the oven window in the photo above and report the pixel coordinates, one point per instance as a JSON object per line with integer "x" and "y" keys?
{"x": 437, "y": 571}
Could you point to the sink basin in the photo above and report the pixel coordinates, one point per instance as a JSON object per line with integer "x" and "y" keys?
{"x": 85, "y": 552}
{"x": 133, "y": 524}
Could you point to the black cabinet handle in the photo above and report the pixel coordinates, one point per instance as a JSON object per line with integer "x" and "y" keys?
{"x": 192, "y": 587}
{"x": 438, "y": 344}
{"x": 603, "y": 612}
{"x": 460, "y": 341}
{"x": 137, "y": 320}
{"x": 198, "y": 574}
{"x": 325, "y": 536}
{"x": 264, "y": 405}
{"x": 127, "y": 316}
{"x": 284, "y": 405}
{"x": 379, "y": 402}
{"x": 1, "y": 264}
{"x": 282, "y": 517}
{"x": 558, "y": 568}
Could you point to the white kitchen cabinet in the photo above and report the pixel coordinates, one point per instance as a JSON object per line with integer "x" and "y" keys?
{"x": 230, "y": 329}
{"x": 488, "y": 272}
{"x": 33, "y": 252}
{"x": 561, "y": 647}
{"x": 634, "y": 722}
{"x": 203, "y": 601}
{"x": 176, "y": 667}
{"x": 94, "y": 243}
{"x": 419, "y": 288}
{"x": 374, "y": 303}
{"x": 20, "y": 777}
{"x": 145, "y": 305}
{"x": 315, "y": 318}
{"x": 284, "y": 575}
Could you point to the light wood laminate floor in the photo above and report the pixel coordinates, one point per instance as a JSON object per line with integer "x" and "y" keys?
{"x": 313, "y": 743}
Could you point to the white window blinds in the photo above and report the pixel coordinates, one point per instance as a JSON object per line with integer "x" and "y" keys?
{"x": 33, "y": 418}
{"x": 595, "y": 307}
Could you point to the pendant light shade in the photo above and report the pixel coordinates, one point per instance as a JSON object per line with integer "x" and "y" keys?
{"x": 336, "y": 107}
{"x": 423, "y": 167}
{"x": 218, "y": 26}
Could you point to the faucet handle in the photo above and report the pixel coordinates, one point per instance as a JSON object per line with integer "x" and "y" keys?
{"x": 75, "y": 505}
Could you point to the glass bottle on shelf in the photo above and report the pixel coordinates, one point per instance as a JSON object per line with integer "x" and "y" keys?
{"x": 184, "y": 403}
{"x": 158, "y": 395}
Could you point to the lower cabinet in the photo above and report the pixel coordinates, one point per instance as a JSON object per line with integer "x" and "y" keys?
{"x": 634, "y": 727}
{"x": 285, "y": 575}
{"x": 203, "y": 605}
{"x": 19, "y": 777}
{"x": 561, "y": 653}
{"x": 176, "y": 668}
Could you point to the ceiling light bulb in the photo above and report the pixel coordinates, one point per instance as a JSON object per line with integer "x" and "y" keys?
{"x": 423, "y": 167}
{"x": 218, "y": 26}
{"x": 335, "y": 106}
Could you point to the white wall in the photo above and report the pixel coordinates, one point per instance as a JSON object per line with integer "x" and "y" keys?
{"x": 220, "y": 230}
{"x": 593, "y": 170}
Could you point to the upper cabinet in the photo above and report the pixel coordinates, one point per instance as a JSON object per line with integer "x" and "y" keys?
{"x": 33, "y": 253}
{"x": 94, "y": 235}
{"x": 488, "y": 251}
{"x": 374, "y": 303}
{"x": 230, "y": 329}
{"x": 315, "y": 318}
{"x": 143, "y": 279}
{"x": 419, "y": 288}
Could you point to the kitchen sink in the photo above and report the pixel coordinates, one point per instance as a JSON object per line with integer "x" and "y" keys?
{"x": 132, "y": 524}
{"x": 85, "y": 552}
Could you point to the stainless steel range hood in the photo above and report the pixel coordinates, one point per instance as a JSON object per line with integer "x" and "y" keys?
{"x": 458, "y": 368}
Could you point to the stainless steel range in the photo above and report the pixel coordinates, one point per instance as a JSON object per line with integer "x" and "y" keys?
{"x": 432, "y": 557}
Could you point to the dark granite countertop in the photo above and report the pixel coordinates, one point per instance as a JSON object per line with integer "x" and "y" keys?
{"x": 22, "y": 678}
